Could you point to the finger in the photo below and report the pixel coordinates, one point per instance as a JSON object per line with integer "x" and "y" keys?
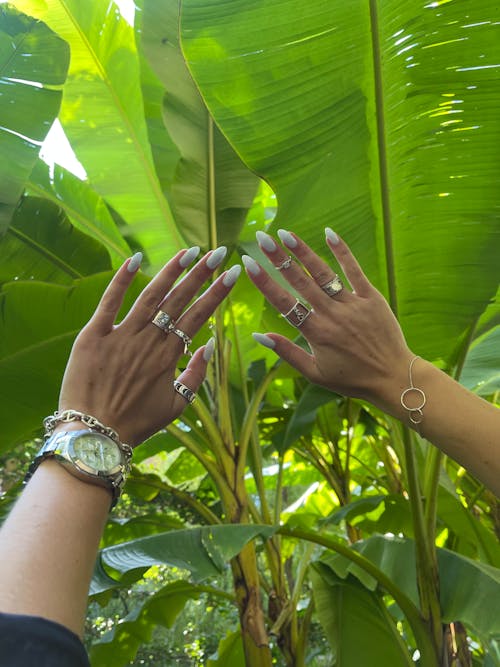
{"x": 177, "y": 299}
{"x": 194, "y": 373}
{"x": 292, "y": 272}
{"x": 289, "y": 352}
{"x": 198, "y": 313}
{"x": 352, "y": 270}
{"x": 282, "y": 300}
{"x": 319, "y": 270}
{"x": 147, "y": 302}
{"x": 102, "y": 321}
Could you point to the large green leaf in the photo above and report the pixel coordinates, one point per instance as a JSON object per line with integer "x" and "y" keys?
{"x": 469, "y": 590}
{"x": 203, "y": 551}
{"x": 382, "y": 125}
{"x": 33, "y": 67}
{"x": 41, "y": 244}
{"x": 87, "y": 211}
{"x": 356, "y": 622}
{"x": 103, "y": 117}
{"x": 481, "y": 371}
{"x": 212, "y": 189}
{"x": 229, "y": 652}
{"x": 38, "y": 323}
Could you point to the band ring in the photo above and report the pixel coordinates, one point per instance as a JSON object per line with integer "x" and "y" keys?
{"x": 184, "y": 391}
{"x": 297, "y": 314}
{"x": 163, "y": 321}
{"x": 286, "y": 264}
{"x": 185, "y": 339}
{"x": 333, "y": 286}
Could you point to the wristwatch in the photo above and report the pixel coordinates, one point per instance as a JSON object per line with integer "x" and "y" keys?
{"x": 89, "y": 455}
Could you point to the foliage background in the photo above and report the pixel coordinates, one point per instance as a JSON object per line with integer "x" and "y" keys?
{"x": 197, "y": 125}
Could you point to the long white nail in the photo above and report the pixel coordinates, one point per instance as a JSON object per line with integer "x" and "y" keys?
{"x": 216, "y": 257}
{"x": 331, "y": 236}
{"x": 209, "y": 349}
{"x": 287, "y": 239}
{"x": 264, "y": 340}
{"x": 251, "y": 265}
{"x": 135, "y": 262}
{"x": 189, "y": 256}
{"x": 266, "y": 241}
{"x": 232, "y": 275}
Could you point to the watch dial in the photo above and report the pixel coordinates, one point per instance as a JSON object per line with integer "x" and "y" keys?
{"x": 97, "y": 451}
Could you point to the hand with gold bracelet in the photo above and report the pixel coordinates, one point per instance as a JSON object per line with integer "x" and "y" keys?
{"x": 121, "y": 380}
{"x": 357, "y": 349}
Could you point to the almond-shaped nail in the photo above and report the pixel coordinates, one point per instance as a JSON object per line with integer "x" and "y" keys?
{"x": 250, "y": 265}
{"x": 209, "y": 349}
{"x": 189, "y": 256}
{"x": 266, "y": 241}
{"x": 216, "y": 257}
{"x": 331, "y": 236}
{"x": 264, "y": 340}
{"x": 287, "y": 239}
{"x": 232, "y": 275}
{"x": 135, "y": 262}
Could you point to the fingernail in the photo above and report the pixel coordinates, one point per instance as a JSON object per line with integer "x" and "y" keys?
{"x": 251, "y": 265}
{"x": 209, "y": 349}
{"x": 189, "y": 256}
{"x": 135, "y": 262}
{"x": 216, "y": 257}
{"x": 331, "y": 236}
{"x": 287, "y": 239}
{"x": 266, "y": 241}
{"x": 232, "y": 275}
{"x": 264, "y": 340}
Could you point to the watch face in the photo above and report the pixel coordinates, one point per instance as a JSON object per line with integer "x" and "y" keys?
{"x": 97, "y": 451}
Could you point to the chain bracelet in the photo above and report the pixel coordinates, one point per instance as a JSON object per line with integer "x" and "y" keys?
{"x": 66, "y": 416}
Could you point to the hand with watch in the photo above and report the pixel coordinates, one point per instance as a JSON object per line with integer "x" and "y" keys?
{"x": 121, "y": 385}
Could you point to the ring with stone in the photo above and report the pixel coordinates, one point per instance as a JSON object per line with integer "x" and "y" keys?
{"x": 163, "y": 321}
{"x": 333, "y": 286}
{"x": 297, "y": 314}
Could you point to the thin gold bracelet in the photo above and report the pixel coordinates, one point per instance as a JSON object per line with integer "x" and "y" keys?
{"x": 415, "y": 414}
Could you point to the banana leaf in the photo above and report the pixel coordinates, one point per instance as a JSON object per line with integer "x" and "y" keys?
{"x": 103, "y": 117}
{"x": 33, "y": 64}
{"x": 379, "y": 119}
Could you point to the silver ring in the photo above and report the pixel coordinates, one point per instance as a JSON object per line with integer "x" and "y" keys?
{"x": 333, "y": 286}
{"x": 163, "y": 321}
{"x": 185, "y": 339}
{"x": 286, "y": 264}
{"x": 184, "y": 391}
{"x": 297, "y": 314}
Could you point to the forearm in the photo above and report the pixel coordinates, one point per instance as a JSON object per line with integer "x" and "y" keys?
{"x": 48, "y": 546}
{"x": 464, "y": 426}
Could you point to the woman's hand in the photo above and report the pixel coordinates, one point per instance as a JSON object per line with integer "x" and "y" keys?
{"x": 123, "y": 374}
{"x": 357, "y": 346}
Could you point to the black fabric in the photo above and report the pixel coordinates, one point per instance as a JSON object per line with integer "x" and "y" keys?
{"x": 29, "y": 641}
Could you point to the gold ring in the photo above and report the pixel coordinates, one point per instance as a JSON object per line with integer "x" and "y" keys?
{"x": 163, "y": 321}
{"x": 333, "y": 286}
{"x": 184, "y": 391}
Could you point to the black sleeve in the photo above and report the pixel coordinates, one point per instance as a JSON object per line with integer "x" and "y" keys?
{"x": 29, "y": 641}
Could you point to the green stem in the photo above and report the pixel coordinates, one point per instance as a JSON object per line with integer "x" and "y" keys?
{"x": 426, "y": 560}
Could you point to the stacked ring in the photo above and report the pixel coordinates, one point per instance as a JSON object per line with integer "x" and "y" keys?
{"x": 184, "y": 391}
{"x": 185, "y": 339}
{"x": 163, "y": 321}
